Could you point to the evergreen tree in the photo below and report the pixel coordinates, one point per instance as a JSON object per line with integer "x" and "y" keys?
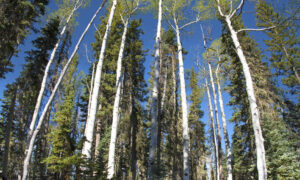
{"x": 197, "y": 133}
{"x": 62, "y": 135}
{"x": 17, "y": 18}
{"x": 282, "y": 44}
{"x": 132, "y": 95}
{"x": 243, "y": 144}
{"x": 28, "y": 84}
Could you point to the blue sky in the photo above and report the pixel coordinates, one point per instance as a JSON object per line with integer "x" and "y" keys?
{"x": 191, "y": 41}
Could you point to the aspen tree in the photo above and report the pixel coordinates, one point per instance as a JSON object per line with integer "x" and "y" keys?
{"x": 175, "y": 17}
{"x": 77, "y": 4}
{"x": 90, "y": 122}
{"x": 119, "y": 79}
{"x": 259, "y": 141}
{"x": 212, "y": 82}
{"x": 33, "y": 137}
{"x": 154, "y": 109}
{"x": 211, "y": 116}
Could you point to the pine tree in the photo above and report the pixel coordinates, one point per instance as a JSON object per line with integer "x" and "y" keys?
{"x": 62, "y": 136}
{"x": 282, "y": 44}
{"x": 243, "y": 144}
{"x": 197, "y": 133}
{"x": 17, "y": 19}
{"x": 28, "y": 84}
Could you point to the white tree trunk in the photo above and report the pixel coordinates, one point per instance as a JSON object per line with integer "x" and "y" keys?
{"x": 211, "y": 115}
{"x": 164, "y": 88}
{"x": 91, "y": 87}
{"x": 46, "y": 72}
{"x": 32, "y": 139}
{"x": 185, "y": 125}
{"x": 115, "y": 122}
{"x": 154, "y": 110}
{"x": 259, "y": 141}
{"x": 227, "y": 143}
{"x": 217, "y": 116}
{"x": 90, "y": 123}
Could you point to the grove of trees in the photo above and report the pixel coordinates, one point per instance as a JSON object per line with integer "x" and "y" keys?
{"x": 215, "y": 97}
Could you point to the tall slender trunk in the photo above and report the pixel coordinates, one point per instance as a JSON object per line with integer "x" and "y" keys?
{"x": 46, "y": 72}
{"x": 226, "y": 137}
{"x": 185, "y": 125}
{"x": 133, "y": 132}
{"x": 115, "y": 122}
{"x": 154, "y": 110}
{"x": 91, "y": 86}
{"x": 90, "y": 123}
{"x": 8, "y": 128}
{"x": 33, "y": 137}
{"x": 98, "y": 131}
{"x": 211, "y": 116}
{"x": 217, "y": 119}
{"x": 259, "y": 140}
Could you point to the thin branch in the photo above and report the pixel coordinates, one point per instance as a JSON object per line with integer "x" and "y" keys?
{"x": 136, "y": 7}
{"x": 122, "y": 18}
{"x": 236, "y": 9}
{"x": 169, "y": 21}
{"x": 219, "y": 9}
{"x": 255, "y": 29}
{"x": 99, "y": 33}
{"x": 190, "y": 23}
{"x": 86, "y": 54}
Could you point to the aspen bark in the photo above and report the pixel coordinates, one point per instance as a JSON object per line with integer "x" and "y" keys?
{"x": 211, "y": 116}
{"x": 226, "y": 137}
{"x": 90, "y": 123}
{"x": 154, "y": 110}
{"x": 185, "y": 125}
{"x": 98, "y": 131}
{"x": 217, "y": 118}
{"x": 115, "y": 122}
{"x": 46, "y": 72}
{"x": 33, "y": 137}
{"x": 259, "y": 141}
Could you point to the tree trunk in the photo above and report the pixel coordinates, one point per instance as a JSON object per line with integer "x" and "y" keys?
{"x": 46, "y": 72}
{"x": 259, "y": 141}
{"x": 226, "y": 138}
{"x": 98, "y": 132}
{"x": 133, "y": 132}
{"x": 91, "y": 86}
{"x": 114, "y": 130}
{"x": 32, "y": 140}
{"x": 90, "y": 123}
{"x": 217, "y": 119}
{"x": 185, "y": 125}
{"x": 211, "y": 115}
{"x": 154, "y": 110}
{"x": 8, "y": 128}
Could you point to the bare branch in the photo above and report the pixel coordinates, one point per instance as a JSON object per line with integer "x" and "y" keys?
{"x": 99, "y": 33}
{"x": 123, "y": 21}
{"x": 219, "y": 9}
{"x": 255, "y": 29}
{"x": 190, "y": 23}
{"x": 236, "y": 9}
{"x": 136, "y": 7}
{"x": 86, "y": 54}
{"x": 169, "y": 22}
